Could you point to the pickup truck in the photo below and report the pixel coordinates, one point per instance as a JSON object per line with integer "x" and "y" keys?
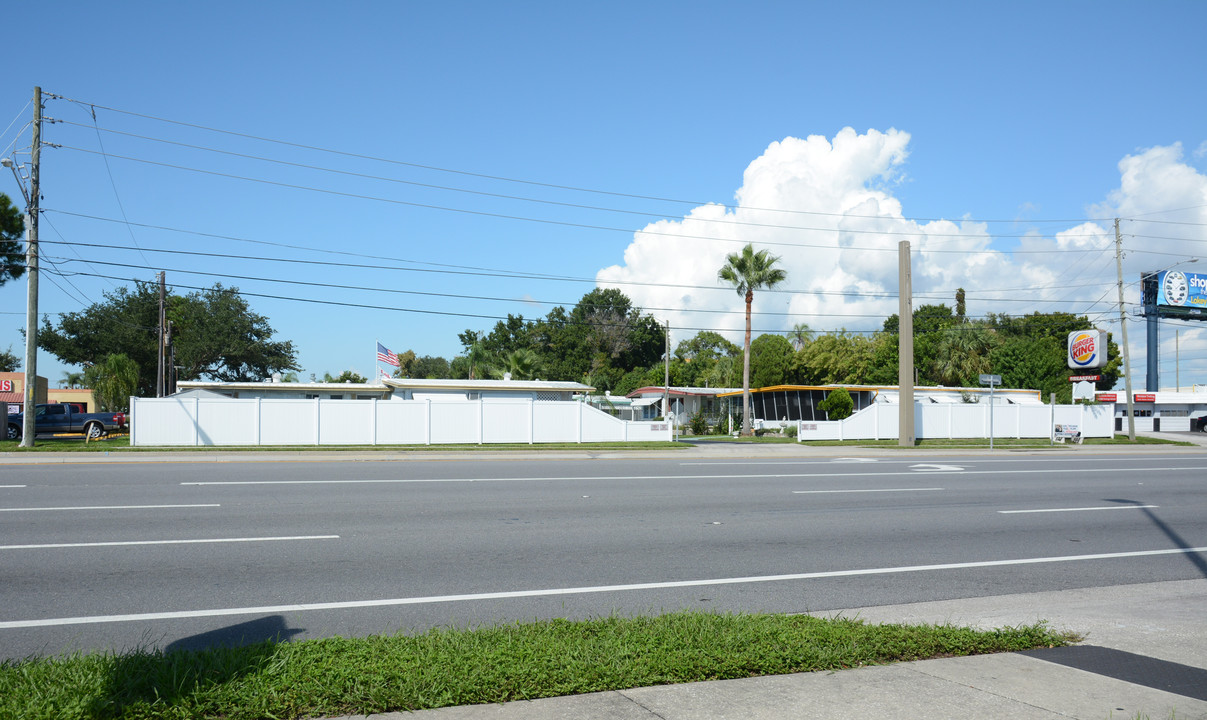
{"x": 63, "y": 418}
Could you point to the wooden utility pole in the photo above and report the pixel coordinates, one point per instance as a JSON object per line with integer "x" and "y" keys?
{"x": 905, "y": 348}
{"x": 28, "y": 426}
{"x": 159, "y": 371}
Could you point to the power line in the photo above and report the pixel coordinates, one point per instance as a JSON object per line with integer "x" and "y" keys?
{"x": 577, "y": 206}
{"x": 325, "y": 263}
{"x": 588, "y": 226}
{"x": 366, "y": 306}
{"x": 500, "y": 178}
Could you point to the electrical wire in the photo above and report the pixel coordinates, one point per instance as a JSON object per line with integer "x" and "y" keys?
{"x": 500, "y": 178}
{"x": 585, "y": 226}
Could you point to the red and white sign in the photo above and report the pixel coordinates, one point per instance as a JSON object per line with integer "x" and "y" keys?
{"x": 1145, "y": 397}
{"x": 1087, "y": 349}
{"x": 6, "y": 386}
{"x": 1086, "y": 378}
{"x": 1107, "y": 397}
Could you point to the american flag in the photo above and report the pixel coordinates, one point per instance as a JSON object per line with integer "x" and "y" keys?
{"x": 384, "y": 355}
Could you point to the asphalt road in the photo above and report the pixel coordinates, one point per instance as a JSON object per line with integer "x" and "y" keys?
{"x": 179, "y": 554}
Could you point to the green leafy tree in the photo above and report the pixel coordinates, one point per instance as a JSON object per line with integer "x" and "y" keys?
{"x": 748, "y": 271}
{"x": 216, "y": 335}
{"x": 12, "y": 231}
{"x": 347, "y": 376}
{"x": 430, "y": 367}
{"x": 771, "y": 359}
{"x": 113, "y": 381}
{"x": 840, "y": 357}
{"x": 8, "y": 361}
{"x": 604, "y": 337}
{"x": 72, "y": 379}
{"x": 837, "y": 404}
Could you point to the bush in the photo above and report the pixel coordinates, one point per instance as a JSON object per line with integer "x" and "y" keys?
{"x": 838, "y": 404}
{"x": 698, "y": 424}
{"x": 790, "y": 431}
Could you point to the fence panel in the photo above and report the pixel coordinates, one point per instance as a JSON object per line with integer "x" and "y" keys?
{"x": 402, "y": 423}
{"x": 506, "y": 421}
{"x": 226, "y": 422}
{"x": 454, "y": 422}
{"x": 345, "y": 422}
{"x": 286, "y": 422}
{"x": 557, "y": 422}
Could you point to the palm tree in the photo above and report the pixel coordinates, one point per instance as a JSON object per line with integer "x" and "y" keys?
{"x": 747, "y": 271}
{"x": 800, "y": 335}
{"x": 72, "y": 380}
{"x": 519, "y": 364}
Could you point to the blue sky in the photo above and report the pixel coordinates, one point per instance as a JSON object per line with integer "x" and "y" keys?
{"x": 1014, "y": 124}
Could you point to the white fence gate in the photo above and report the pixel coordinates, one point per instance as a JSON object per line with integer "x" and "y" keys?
{"x": 881, "y": 421}
{"x": 259, "y": 421}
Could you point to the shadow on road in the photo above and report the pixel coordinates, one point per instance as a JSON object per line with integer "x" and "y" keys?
{"x": 1195, "y": 559}
{"x": 271, "y": 628}
{"x": 171, "y": 675}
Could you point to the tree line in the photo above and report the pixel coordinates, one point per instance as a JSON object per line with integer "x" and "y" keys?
{"x": 604, "y": 341}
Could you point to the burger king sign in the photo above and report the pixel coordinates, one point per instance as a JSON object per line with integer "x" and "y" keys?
{"x": 1087, "y": 349}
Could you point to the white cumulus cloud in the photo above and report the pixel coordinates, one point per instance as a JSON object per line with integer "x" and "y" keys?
{"x": 826, "y": 208}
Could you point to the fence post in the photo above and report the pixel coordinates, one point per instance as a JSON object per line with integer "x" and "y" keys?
{"x": 580, "y": 422}
{"x": 196, "y": 421}
{"x": 950, "y": 429}
{"x": 259, "y": 420}
{"x": 318, "y": 421}
{"x": 531, "y": 420}
{"x": 1018, "y": 421}
{"x": 481, "y": 421}
{"x": 427, "y": 423}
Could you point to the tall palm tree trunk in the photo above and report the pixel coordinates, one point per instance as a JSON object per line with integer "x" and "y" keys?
{"x": 746, "y": 369}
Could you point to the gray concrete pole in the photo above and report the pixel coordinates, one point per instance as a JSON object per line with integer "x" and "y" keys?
{"x": 1127, "y": 362}
{"x": 28, "y": 426}
{"x": 905, "y": 349}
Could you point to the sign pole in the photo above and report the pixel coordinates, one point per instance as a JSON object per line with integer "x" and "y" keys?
{"x": 992, "y": 381}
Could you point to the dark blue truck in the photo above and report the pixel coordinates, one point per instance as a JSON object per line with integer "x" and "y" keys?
{"x": 62, "y": 418}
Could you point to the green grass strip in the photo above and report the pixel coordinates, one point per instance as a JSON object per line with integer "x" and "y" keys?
{"x": 444, "y": 667}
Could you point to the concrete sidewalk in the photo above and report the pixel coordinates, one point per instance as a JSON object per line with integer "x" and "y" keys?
{"x": 1144, "y": 656}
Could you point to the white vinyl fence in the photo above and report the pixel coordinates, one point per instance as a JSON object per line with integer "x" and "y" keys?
{"x": 258, "y": 421}
{"x": 881, "y": 421}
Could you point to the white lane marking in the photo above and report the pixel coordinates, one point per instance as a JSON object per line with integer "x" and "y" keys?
{"x": 13, "y": 486}
{"x": 123, "y": 543}
{"x": 108, "y": 507}
{"x": 822, "y": 492}
{"x": 1051, "y": 510}
{"x": 1081, "y": 458}
{"x": 431, "y": 599}
{"x": 557, "y": 591}
{"x": 1042, "y": 471}
{"x": 936, "y": 468}
{"x": 802, "y": 461}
